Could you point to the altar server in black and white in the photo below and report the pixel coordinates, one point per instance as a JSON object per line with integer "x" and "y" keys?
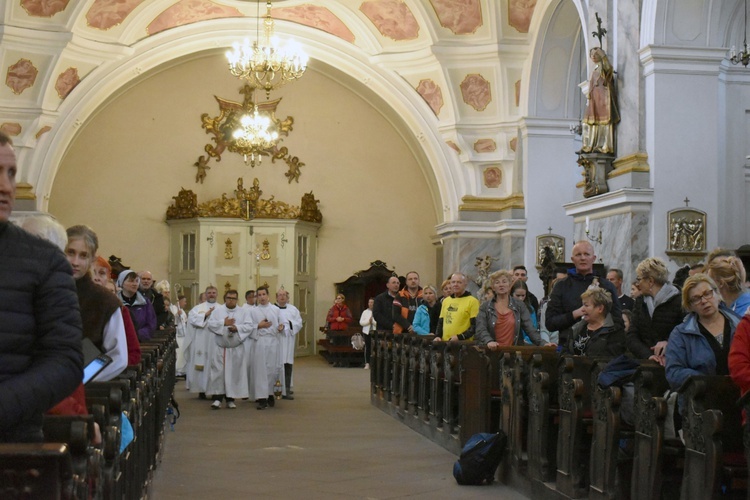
{"x": 290, "y": 318}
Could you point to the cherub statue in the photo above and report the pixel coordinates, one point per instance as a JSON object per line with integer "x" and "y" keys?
{"x": 202, "y": 165}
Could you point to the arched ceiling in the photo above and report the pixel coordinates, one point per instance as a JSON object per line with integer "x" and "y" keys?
{"x": 455, "y": 65}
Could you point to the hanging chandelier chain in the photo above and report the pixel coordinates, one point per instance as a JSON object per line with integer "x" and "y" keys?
{"x": 743, "y": 57}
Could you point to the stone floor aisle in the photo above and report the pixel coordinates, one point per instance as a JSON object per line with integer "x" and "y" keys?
{"x": 328, "y": 443}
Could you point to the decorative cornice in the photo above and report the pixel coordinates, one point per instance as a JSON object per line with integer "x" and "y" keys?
{"x": 637, "y": 162}
{"x": 479, "y": 204}
{"x": 681, "y": 60}
{"x": 25, "y": 191}
{"x": 614, "y": 201}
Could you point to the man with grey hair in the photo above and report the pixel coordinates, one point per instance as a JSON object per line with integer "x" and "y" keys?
{"x": 199, "y": 344}
{"x": 565, "y": 307}
{"x": 41, "y": 361}
{"x": 458, "y": 315}
{"x": 147, "y": 289}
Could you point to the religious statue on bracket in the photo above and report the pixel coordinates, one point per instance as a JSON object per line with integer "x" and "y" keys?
{"x": 223, "y": 127}
{"x": 598, "y": 136}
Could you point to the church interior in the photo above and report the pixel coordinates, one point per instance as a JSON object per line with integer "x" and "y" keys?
{"x": 431, "y": 132}
{"x": 430, "y": 135}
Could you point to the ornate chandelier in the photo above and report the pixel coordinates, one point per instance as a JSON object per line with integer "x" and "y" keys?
{"x": 270, "y": 64}
{"x": 257, "y": 133}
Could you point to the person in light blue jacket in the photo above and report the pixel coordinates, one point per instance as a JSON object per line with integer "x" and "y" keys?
{"x": 426, "y": 317}
{"x": 700, "y": 344}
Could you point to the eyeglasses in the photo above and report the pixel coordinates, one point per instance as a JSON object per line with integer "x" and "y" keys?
{"x": 708, "y": 295}
{"x": 231, "y": 298}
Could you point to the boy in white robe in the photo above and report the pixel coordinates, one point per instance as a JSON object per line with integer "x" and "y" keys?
{"x": 198, "y": 349}
{"x": 264, "y": 365}
{"x": 227, "y": 376}
{"x": 290, "y": 317}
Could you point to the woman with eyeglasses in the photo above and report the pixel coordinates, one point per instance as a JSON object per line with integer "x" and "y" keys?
{"x": 656, "y": 311}
{"x": 700, "y": 345}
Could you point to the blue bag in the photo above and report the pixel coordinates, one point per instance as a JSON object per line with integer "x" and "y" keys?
{"x": 480, "y": 458}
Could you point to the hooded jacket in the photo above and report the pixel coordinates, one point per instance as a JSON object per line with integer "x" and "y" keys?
{"x": 654, "y": 318}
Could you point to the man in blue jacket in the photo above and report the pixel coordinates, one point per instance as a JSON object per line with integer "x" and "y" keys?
{"x": 40, "y": 324}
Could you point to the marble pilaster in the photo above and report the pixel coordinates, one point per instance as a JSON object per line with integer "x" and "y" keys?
{"x": 463, "y": 243}
{"x": 623, "y": 218}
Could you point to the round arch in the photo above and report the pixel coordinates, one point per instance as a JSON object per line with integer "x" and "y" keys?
{"x": 344, "y": 62}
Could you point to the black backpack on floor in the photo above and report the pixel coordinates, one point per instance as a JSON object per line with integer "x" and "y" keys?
{"x": 480, "y": 458}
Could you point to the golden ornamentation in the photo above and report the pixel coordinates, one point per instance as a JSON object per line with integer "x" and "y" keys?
{"x": 480, "y": 204}
{"x": 265, "y": 254}
{"x": 228, "y": 249}
{"x": 686, "y": 232}
{"x": 185, "y": 205}
{"x": 227, "y": 287}
{"x": 246, "y": 204}
{"x": 222, "y": 127}
{"x": 309, "y": 210}
{"x": 554, "y": 242}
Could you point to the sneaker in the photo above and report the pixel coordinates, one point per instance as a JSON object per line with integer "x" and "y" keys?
{"x": 216, "y": 405}
{"x": 367, "y": 366}
{"x": 231, "y": 405}
{"x": 262, "y": 404}
{"x": 287, "y": 396}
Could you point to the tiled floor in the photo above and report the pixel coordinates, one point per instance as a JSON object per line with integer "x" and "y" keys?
{"x": 328, "y": 443}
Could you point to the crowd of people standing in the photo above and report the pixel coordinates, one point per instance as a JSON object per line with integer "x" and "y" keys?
{"x": 234, "y": 351}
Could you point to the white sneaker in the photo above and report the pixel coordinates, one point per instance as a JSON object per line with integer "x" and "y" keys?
{"x": 367, "y": 366}
{"x": 216, "y": 405}
{"x": 231, "y": 405}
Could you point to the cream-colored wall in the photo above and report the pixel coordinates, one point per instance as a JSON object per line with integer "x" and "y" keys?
{"x": 122, "y": 169}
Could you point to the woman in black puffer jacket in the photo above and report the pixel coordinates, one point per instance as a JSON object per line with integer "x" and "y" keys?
{"x": 656, "y": 312}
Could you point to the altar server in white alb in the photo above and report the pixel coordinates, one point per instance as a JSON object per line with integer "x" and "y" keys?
{"x": 227, "y": 377}
{"x": 199, "y": 343}
{"x": 291, "y": 319}
{"x": 264, "y": 365}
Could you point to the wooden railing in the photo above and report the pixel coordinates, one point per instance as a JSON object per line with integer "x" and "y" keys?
{"x": 68, "y": 465}
{"x": 566, "y": 438}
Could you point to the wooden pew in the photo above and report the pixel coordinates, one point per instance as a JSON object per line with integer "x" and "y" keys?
{"x": 650, "y": 465}
{"x": 77, "y": 432}
{"x": 543, "y": 415}
{"x": 520, "y": 364}
{"x": 36, "y": 470}
{"x": 714, "y": 457}
{"x": 424, "y": 403}
{"x": 573, "y": 441}
{"x": 103, "y": 395}
{"x": 475, "y": 405}
{"x": 605, "y": 440}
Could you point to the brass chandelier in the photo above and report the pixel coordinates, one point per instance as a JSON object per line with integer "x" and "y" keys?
{"x": 257, "y": 133}
{"x": 267, "y": 63}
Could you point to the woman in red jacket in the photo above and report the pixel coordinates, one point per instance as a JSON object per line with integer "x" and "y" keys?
{"x": 739, "y": 356}
{"x": 339, "y": 316}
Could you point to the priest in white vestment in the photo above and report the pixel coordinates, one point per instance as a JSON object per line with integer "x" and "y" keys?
{"x": 264, "y": 365}
{"x": 199, "y": 343}
{"x": 227, "y": 377}
{"x": 290, "y": 317}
